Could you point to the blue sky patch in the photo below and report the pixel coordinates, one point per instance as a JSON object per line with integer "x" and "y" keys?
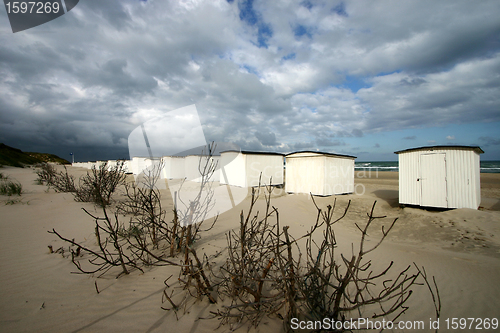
{"x": 340, "y": 9}
{"x": 300, "y": 30}
{"x": 290, "y": 56}
{"x": 253, "y": 18}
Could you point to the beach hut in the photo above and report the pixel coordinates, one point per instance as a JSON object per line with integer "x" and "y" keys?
{"x": 173, "y": 167}
{"x": 245, "y": 168}
{"x": 112, "y": 164}
{"x": 95, "y": 164}
{"x": 195, "y": 165}
{"x": 319, "y": 173}
{"x": 440, "y": 176}
{"x": 127, "y": 166}
{"x": 139, "y": 164}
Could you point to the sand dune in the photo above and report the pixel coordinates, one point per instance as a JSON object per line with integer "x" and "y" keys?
{"x": 39, "y": 293}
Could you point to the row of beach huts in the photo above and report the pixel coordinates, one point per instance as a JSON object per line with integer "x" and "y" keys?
{"x": 436, "y": 176}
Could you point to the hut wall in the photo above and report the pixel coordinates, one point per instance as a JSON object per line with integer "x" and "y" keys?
{"x": 339, "y": 175}
{"x": 216, "y": 165}
{"x": 127, "y": 166}
{"x": 463, "y": 184}
{"x": 139, "y": 164}
{"x": 319, "y": 173}
{"x": 245, "y": 169}
{"x": 267, "y": 168}
{"x": 409, "y": 171}
{"x": 111, "y": 164}
{"x": 177, "y": 167}
{"x": 191, "y": 167}
{"x": 305, "y": 174}
{"x": 232, "y": 169}
{"x": 167, "y": 167}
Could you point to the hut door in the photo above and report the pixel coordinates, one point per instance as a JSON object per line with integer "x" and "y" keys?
{"x": 433, "y": 180}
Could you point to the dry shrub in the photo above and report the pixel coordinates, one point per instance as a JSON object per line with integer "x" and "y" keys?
{"x": 100, "y": 183}
{"x": 58, "y": 180}
{"x": 46, "y": 172}
{"x": 146, "y": 238}
{"x": 97, "y": 186}
{"x": 263, "y": 276}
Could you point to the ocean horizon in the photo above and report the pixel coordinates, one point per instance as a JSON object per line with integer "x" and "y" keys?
{"x": 486, "y": 166}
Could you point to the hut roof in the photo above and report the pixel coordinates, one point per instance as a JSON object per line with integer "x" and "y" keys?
{"x": 248, "y": 152}
{"x": 320, "y": 153}
{"x": 477, "y": 149}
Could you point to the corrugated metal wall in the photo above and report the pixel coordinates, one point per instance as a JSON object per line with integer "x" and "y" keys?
{"x": 339, "y": 175}
{"x": 409, "y": 172}
{"x": 464, "y": 190}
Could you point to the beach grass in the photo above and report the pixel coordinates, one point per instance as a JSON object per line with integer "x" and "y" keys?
{"x": 9, "y": 187}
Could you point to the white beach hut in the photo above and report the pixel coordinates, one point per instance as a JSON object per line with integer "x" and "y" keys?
{"x": 95, "y": 164}
{"x": 440, "y": 176}
{"x": 173, "y": 167}
{"x": 87, "y": 165}
{"x": 195, "y": 164}
{"x": 245, "y": 168}
{"x": 127, "y": 166}
{"x": 79, "y": 165}
{"x": 319, "y": 173}
{"x": 112, "y": 164}
{"x": 165, "y": 172}
{"x": 191, "y": 163}
{"x": 216, "y": 163}
{"x": 139, "y": 164}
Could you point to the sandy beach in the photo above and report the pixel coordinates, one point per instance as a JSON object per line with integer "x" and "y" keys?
{"x": 39, "y": 292}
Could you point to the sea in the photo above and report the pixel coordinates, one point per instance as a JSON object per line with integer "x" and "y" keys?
{"x": 486, "y": 166}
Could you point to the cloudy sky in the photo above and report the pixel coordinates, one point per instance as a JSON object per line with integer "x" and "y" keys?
{"x": 364, "y": 78}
